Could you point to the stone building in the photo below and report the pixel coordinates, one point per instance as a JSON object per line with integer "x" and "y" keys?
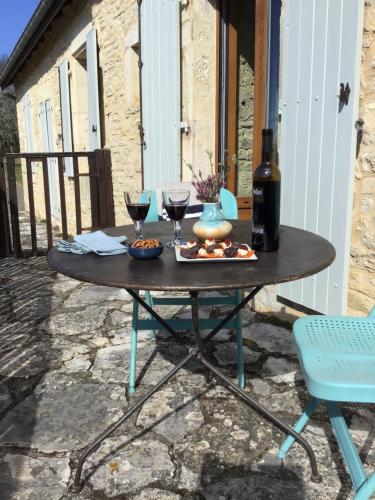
{"x": 213, "y": 74}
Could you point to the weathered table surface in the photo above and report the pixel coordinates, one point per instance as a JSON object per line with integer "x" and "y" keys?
{"x": 300, "y": 254}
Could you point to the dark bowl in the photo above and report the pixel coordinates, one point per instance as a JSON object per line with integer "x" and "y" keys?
{"x": 145, "y": 253}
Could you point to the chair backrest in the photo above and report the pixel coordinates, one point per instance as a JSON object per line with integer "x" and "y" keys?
{"x": 228, "y": 204}
{"x": 227, "y": 199}
{"x": 153, "y": 215}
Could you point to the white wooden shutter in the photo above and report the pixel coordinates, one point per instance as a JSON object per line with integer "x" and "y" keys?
{"x": 321, "y": 49}
{"x": 93, "y": 90}
{"x": 43, "y": 127}
{"x": 52, "y": 163}
{"x": 45, "y": 115}
{"x": 160, "y": 32}
{"x": 51, "y": 143}
{"x": 29, "y": 136}
{"x": 66, "y": 122}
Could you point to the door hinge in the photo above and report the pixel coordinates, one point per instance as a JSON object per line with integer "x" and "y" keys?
{"x": 141, "y": 131}
{"x": 359, "y": 124}
{"x": 344, "y": 93}
{"x": 185, "y": 128}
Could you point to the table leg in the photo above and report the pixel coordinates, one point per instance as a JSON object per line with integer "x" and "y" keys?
{"x": 88, "y": 450}
{"x": 196, "y": 352}
{"x": 315, "y": 476}
{"x": 241, "y": 394}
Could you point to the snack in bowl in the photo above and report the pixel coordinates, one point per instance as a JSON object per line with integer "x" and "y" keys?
{"x": 145, "y": 244}
{"x": 145, "y": 249}
{"x": 215, "y": 250}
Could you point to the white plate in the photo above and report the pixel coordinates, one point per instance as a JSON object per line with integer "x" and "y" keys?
{"x": 179, "y": 258}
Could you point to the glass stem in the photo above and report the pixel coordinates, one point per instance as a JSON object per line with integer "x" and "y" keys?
{"x": 177, "y": 232}
{"x": 138, "y": 229}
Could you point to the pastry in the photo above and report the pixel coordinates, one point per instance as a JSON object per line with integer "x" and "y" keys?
{"x": 215, "y": 250}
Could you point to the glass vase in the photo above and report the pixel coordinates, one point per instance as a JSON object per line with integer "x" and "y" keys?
{"x": 212, "y": 224}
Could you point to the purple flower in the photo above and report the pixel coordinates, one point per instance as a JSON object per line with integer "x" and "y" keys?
{"x": 208, "y": 190}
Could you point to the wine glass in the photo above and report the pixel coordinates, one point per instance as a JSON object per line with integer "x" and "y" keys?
{"x": 175, "y": 202}
{"x": 138, "y": 204}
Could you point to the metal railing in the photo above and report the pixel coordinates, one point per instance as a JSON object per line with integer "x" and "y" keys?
{"x": 101, "y": 197}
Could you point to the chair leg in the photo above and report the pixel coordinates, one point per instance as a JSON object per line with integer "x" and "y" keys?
{"x": 240, "y": 362}
{"x": 347, "y": 446}
{"x": 149, "y": 301}
{"x": 299, "y": 426}
{"x": 366, "y": 490}
{"x": 371, "y": 314}
{"x": 133, "y": 349}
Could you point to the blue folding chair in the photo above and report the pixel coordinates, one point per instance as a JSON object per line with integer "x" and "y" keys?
{"x": 229, "y": 207}
{"x": 337, "y": 356}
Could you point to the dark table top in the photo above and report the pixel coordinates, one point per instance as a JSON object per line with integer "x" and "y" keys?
{"x": 300, "y": 254}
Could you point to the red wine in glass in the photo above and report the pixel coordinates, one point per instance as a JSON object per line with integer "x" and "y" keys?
{"x": 175, "y": 203}
{"x": 138, "y": 204}
{"x": 138, "y": 211}
{"x": 176, "y": 212}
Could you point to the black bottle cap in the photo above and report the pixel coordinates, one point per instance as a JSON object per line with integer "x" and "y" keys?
{"x": 267, "y": 132}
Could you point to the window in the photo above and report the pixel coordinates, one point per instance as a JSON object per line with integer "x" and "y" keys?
{"x": 85, "y": 97}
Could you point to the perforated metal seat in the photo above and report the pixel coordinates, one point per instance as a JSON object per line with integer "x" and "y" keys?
{"x": 337, "y": 356}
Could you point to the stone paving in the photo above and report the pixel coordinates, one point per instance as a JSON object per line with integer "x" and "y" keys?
{"x": 63, "y": 378}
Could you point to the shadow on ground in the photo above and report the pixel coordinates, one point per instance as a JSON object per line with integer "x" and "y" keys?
{"x": 26, "y": 354}
{"x": 65, "y": 350}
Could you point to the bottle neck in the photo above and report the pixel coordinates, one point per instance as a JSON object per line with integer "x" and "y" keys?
{"x": 266, "y": 156}
{"x": 266, "y": 148}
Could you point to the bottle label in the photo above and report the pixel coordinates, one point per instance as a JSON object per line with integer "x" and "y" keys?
{"x": 258, "y": 194}
{"x": 258, "y": 229}
{"x": 266, "y": 213}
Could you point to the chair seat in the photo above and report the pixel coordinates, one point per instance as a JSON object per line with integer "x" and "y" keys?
{"x": 337, "y": 356}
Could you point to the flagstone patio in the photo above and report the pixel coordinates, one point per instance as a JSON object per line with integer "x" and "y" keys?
{"x": 64, "y": 368}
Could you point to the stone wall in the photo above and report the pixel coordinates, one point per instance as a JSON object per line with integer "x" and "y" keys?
{"x": 362, "y": 263}
{"x": 245, "y": 97}
{"x": 198, "y": 81}
{"x": 116, "y": 23}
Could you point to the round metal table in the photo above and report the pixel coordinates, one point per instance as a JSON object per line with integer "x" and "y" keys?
{"x": 300, "y": 254}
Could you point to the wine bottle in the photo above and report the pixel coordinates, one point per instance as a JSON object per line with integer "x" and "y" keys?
{"x": 266, "y": 199}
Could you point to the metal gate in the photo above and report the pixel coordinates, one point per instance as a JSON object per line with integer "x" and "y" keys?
{"x": 101, "y": 198}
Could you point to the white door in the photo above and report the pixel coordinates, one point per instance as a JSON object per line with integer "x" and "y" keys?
{"x": 160, "y": 35}
{"x": 321, "y": 48}
{"x": 45, "y": 115}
